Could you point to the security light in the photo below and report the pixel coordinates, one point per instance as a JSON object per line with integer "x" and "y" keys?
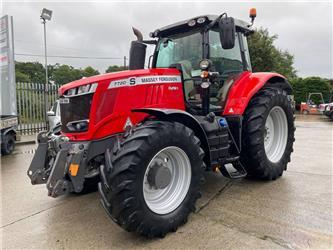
{"x": 46, "y": 14}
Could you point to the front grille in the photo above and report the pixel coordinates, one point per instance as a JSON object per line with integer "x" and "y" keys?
{"x": 74, "y": 108}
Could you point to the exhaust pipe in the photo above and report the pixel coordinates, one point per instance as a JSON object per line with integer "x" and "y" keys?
{"x": 137, "y": 52}
{"x": 138, "y": 34}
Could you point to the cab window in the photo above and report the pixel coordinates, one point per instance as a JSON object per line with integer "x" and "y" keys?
{"x": 184, "y": 49}
{"x": 226, "y": 61}
{"x": 246, "y": 52}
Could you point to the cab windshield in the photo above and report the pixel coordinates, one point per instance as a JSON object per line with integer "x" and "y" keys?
{"x": 184, "y": 49}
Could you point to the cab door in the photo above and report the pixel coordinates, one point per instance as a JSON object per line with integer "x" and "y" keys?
{"x": 229, "y": 63}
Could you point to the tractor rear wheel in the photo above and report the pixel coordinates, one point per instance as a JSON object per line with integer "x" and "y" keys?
{"x": 268, "y": 134}
{"x": 154, "y": 179}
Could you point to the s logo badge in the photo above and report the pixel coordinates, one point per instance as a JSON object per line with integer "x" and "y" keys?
{"x": 132, "y": 81}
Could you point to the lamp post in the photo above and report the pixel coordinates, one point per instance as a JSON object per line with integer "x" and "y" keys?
{"x": 46, "y": 16}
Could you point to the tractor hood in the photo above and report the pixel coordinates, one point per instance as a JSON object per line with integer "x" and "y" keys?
{"x": 104, "y": 80}
{"x": 98, "y": 106}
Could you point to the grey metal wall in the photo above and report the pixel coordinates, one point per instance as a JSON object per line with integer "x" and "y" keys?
{"x": 7, "y": 67}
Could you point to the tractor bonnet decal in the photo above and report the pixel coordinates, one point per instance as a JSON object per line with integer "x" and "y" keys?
{"x": 144, "y": 80}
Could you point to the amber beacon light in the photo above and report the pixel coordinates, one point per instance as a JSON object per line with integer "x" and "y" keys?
{"x": 253, "y": 13}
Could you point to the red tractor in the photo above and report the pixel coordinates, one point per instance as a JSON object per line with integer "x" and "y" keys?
{"x": 146, "y": 136}
{"x": 310, "y": 107}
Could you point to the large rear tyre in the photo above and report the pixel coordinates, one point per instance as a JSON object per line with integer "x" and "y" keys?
{"x": 268, "y": 134}
{"x": 154, "y": 179}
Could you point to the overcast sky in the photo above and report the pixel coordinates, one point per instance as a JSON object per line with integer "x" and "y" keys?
{"x": 102, "y": 29}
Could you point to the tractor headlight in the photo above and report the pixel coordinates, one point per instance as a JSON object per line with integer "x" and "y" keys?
{"x": 156, "y": 32}
{"x": 201, "y": 20}
{"x": 78, "y": 126}
{"x": 81, "y": 90}
{"x": 204, "y": 64}
{"x": 71, "y": 91}
{"x": 191, "y": 23}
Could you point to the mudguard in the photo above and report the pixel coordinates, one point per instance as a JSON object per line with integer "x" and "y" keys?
{"x": 247, "y": 86}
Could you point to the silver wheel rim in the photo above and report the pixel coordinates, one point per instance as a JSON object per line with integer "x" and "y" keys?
{"x": 166, "y": 200}
{"x": 276, "y": 134}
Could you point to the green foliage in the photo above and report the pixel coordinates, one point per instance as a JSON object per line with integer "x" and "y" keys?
{"x": 89, "y": 71}
{"x": 34, "y": 70}
{"x": 265, "y": 57}
{"x": 21, "y": 77}
{"x": 115, "y": 68}
{"x": 64, "y": 74}
{"x": 61, "y": 74}
{"x": 303, "y": 86}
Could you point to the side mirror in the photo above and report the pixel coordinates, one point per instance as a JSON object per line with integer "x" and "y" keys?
{"x": 50, "y": 113}
{"x": 227, "y": 32}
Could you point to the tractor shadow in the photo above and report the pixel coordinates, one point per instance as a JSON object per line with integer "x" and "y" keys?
{"x": 81, "y": 222}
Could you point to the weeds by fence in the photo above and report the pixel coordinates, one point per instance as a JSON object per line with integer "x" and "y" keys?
{"x": 31, "y": 106}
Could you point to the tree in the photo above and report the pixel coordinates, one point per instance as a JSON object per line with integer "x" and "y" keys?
{"x": 21, "y": 77}
{"x": 64, "y": 74}
{"x": 266, "y": 57}
{"x": 115, "y": 68}
{"x": 303, "y": 86}
{"x": 34, "y": 70}
{"x": 89, "y": 71}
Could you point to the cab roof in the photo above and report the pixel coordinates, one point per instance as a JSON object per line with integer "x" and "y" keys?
{"x": 182, "y": 26}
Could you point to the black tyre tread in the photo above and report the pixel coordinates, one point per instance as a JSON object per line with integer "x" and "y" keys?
{"x": 253, "y": 155}
{"x": 119, "y": 193}
{"x": 5, "y": 149}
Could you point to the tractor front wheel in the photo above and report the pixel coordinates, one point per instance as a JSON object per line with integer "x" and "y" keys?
{"x": 268, "y": 134}
{"x": 154, "y": 179}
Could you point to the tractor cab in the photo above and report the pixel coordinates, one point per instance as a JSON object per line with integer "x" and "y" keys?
{"x": 210, "y": 52}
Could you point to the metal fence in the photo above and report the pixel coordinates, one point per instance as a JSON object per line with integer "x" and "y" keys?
{"x": 31, "y": 106}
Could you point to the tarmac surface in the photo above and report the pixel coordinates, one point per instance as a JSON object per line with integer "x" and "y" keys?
{"x": 293, "y": 212}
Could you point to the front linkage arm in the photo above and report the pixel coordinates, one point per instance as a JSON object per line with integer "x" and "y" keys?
{"x": 58, "y": 163}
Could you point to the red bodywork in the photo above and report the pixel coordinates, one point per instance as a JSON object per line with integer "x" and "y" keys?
{"x": 307, "y": 108}
{"x": 111, "y": 108}
{"x": 243, "y": 89}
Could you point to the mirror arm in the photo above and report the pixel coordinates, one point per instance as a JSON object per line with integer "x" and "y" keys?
{"x": 251, "y": 24}
{"x": 211, "y": 25}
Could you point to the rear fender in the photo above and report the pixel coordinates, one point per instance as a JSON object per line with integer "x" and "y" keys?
{"x": 247, "y": 86}
{"x": 185, "y": 118}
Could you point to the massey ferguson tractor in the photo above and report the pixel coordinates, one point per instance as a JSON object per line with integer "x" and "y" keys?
{"x": 146, "y": 136}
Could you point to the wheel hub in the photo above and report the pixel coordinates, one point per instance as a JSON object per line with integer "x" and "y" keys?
{"x": 159, "y": 176}
{"x": 167, "y": 180}
{"x": 275, "y": 134}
